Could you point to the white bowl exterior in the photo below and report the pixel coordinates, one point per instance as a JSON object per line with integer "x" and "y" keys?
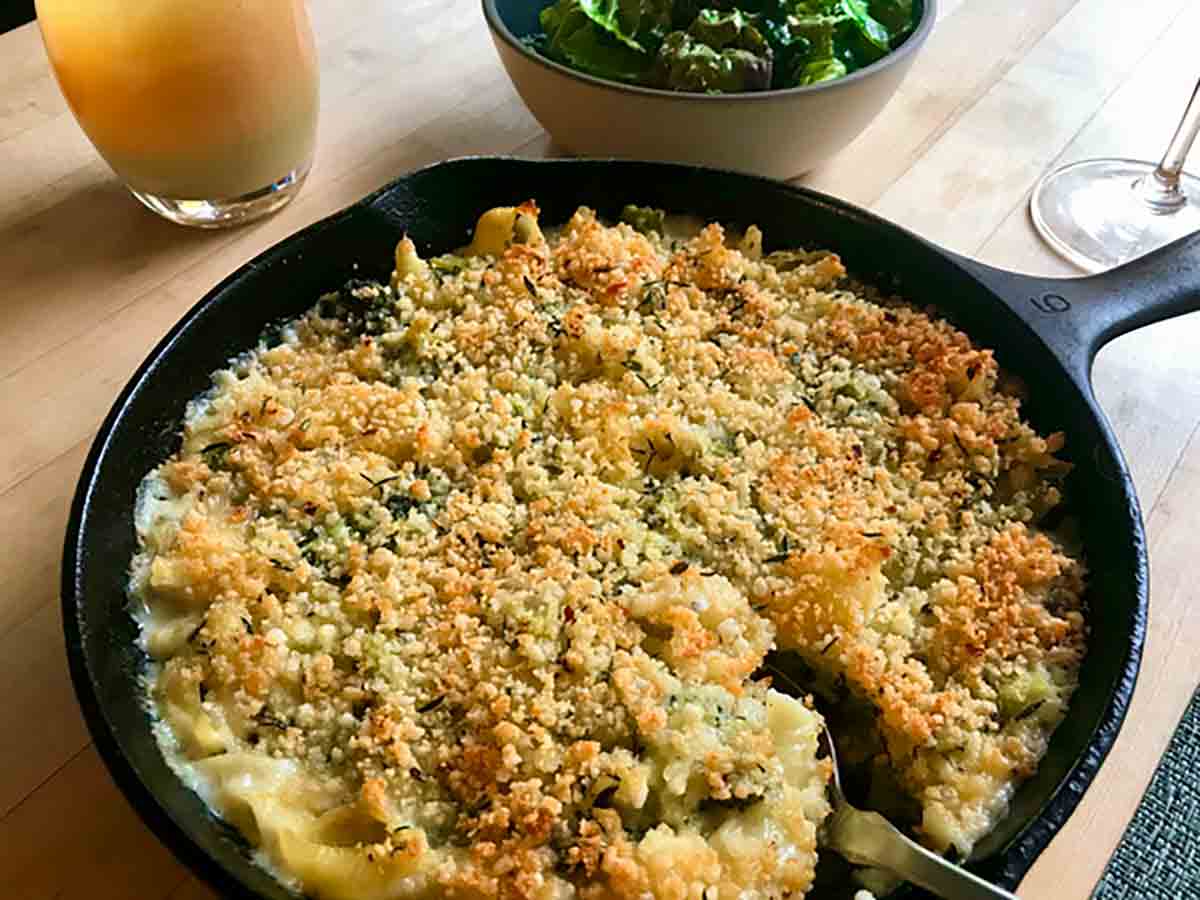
{"x": 782, "y": 136}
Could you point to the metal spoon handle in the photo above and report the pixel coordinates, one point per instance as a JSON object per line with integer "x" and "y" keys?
{"x": 868, "y": 839}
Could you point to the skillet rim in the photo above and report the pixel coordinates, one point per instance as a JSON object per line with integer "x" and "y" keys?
{"x": 1005, "y": 865}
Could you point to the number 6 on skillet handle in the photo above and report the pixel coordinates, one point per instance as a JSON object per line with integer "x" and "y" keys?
{"x": 1075, "y": 317}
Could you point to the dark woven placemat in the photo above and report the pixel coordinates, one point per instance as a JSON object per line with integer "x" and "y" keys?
{"x": 1159, "y": 856}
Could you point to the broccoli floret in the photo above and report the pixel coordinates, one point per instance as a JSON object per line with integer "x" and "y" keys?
{"x": 644, "y": 218}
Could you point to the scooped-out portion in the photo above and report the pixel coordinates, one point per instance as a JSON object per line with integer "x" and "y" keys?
{"x": 465, "y": 584}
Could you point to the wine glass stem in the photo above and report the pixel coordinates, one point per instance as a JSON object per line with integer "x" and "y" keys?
{"x": 1162, "y": 190}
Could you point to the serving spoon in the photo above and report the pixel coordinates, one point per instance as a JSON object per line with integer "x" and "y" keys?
{"x": 868, "y": 839}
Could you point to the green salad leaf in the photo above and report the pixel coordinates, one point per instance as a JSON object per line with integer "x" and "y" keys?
{"x": 684, "y": 12}
{"x": 687, "y": 64}
{"x": 877, "y": 35}
{"x": 727, "y": 29}
{"x": 802, "y": 8}
{"x": 813, "y": 56}
{"x": 897, "y": 16}
{"x": 719, "y": 52}
{"x": 636, "y": 23}
{"x": 572, "y": 38}
{"x": 723, "y": 45}
{"x": 818, "y": 70}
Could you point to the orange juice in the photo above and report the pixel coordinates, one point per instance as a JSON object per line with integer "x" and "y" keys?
{"x": 189, "y": 99}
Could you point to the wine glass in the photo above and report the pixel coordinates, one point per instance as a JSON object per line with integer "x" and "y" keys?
{"x": 1100, "y": 213}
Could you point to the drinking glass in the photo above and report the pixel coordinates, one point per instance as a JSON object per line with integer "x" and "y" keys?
{"x": 205, "y": 109}
{"x": 1101, "y": 213}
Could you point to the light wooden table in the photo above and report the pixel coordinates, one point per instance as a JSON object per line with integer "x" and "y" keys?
{"x": 89, "y": 281}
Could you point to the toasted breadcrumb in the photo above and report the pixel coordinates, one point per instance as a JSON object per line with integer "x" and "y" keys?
{"x": 496, "y": 553}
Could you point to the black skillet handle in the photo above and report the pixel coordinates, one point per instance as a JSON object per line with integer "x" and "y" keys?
{"x": 1075, "y": 317}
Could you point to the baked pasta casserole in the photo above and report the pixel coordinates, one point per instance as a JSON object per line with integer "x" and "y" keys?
{"x": 497, "y": 580}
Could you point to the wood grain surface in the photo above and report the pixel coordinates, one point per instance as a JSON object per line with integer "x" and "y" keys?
{"x": 89, "y": 281}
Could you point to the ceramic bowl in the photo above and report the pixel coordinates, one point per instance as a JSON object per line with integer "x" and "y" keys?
{"x": 782, "y": 133}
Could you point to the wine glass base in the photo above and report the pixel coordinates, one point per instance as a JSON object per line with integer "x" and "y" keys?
{"x": 1094, "y": 213}
{"x": 230, "y": 212}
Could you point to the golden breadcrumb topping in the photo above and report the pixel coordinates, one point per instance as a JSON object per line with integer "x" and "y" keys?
{"x": 495, "y": 555}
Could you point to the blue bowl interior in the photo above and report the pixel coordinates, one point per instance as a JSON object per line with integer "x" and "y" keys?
{"x": 521, "y": 18}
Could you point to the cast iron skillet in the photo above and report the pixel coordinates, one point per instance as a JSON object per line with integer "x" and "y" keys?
{"x": 1046, "y": 331}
